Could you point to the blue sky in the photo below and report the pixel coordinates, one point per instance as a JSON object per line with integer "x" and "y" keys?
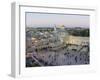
{"x": 45, "y": 19}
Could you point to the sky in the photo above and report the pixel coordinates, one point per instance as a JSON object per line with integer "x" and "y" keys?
{"x": 49, "y": 20}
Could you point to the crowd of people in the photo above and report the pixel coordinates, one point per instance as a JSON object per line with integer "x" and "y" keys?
{"x": 61, "y": 56}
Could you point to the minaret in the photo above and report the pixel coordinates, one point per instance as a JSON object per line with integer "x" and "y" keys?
{"x": 56, "y": 33}
{"x": 55, "y": 29}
